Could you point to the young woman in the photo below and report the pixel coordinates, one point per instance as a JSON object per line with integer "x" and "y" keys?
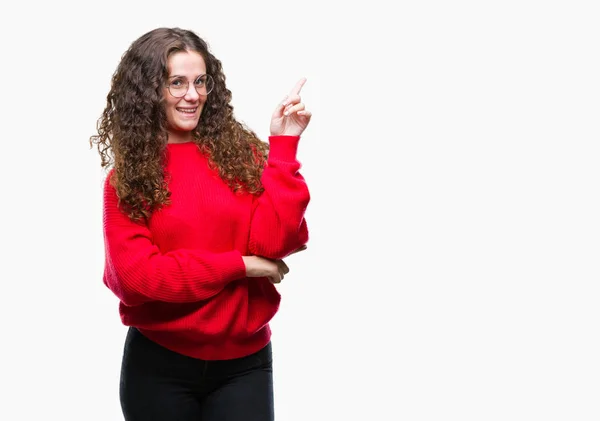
{"x": 198, "y": 215}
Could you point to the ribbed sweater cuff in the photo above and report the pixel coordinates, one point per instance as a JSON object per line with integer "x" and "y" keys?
{"x": 283, "y": 148}
{"x": 232, "y": 265}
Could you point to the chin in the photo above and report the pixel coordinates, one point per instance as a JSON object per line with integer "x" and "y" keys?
{"x": 187, "y": 126}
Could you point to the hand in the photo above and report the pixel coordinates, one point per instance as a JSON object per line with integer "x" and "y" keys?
{"x": 260, "y": 267}
{"x": 290, "y": 118}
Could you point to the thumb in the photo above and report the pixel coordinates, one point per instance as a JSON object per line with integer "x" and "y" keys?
{"x": 299, "y": 249}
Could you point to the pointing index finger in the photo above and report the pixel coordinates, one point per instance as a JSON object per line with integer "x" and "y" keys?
{"x": 299, "y": 85}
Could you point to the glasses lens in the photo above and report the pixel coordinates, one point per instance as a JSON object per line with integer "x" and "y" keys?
{"x": 178, "y": 88}
{"x": 204, "y": 85}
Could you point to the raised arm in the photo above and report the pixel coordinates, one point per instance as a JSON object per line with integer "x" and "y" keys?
{"x": 278, "y": 226}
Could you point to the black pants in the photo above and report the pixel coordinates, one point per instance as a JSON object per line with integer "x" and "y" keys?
{"x": 161, "y": 385}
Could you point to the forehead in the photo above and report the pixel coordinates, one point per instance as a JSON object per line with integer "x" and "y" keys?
{"x": 186, "y": 63}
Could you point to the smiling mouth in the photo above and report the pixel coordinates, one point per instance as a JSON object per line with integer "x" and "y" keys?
{"x": 187, "y": 110}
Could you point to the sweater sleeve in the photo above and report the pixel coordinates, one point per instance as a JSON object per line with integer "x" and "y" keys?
{"x": 137, "y": 272}
{"x": 278, "y": 226}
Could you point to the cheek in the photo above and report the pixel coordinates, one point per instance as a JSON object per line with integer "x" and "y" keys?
{"x": 171, "y": 112}
{"x": 171, "y": 103}
{"x": 203, "y": 102}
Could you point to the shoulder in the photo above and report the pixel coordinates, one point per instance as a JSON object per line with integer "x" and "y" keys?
{"x": 109, "y": 183}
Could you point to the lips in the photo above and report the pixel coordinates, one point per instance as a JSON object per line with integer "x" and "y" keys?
{"x": 187, "y": 110}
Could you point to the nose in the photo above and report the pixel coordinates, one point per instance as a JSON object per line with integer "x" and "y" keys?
{"x": 191, "y": 95}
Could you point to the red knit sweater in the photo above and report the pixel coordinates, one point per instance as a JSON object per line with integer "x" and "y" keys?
{"x": 181, "y": 278}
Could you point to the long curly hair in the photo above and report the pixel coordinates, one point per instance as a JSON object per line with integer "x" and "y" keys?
{"x": 132, "y": 131}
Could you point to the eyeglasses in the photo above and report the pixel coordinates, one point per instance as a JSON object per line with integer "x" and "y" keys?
{"x": 178, "y": 87}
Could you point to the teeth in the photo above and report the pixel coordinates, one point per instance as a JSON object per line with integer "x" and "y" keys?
{"x": 184, "y": 110}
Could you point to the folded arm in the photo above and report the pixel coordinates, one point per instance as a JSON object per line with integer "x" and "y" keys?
{"x": 136, "y": 271}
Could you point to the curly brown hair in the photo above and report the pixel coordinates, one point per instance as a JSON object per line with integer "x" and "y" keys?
{"x": 132, "y": 133}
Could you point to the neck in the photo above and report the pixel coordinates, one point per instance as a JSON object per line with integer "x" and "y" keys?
{"x": 179, "y": 137}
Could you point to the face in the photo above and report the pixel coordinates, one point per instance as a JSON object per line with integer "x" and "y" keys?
{"x": 183, "y": 113}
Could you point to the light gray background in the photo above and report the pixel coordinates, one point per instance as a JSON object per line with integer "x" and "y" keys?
{"x": 452, "y": 272}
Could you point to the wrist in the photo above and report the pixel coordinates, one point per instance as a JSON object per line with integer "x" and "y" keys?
{"x": 283, "y": 147}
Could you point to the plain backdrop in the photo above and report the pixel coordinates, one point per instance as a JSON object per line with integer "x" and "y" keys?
{"x": 452, "y": 271}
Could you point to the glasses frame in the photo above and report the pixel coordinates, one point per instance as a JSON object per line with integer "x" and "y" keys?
{"x": 187, "y": 86}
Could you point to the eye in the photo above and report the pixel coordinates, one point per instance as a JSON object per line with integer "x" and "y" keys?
{"x": 200, "y": 81}
{"x": 176, "y": 83}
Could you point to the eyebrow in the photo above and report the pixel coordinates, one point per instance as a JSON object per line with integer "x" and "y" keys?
{"x": 174, "y": 76}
